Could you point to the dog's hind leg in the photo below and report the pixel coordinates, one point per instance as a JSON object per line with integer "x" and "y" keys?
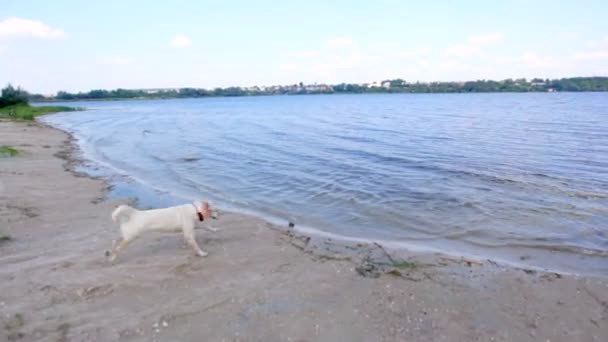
{"x": 189, "y": 236}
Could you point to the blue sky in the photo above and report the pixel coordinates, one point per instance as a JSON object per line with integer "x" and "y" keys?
{"x": 46, "y": 46}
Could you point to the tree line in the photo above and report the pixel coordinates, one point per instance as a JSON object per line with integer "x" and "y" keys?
{"x": 575, "y": 84}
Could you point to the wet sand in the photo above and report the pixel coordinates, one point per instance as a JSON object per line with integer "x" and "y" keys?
{"x": 259, "y": 283}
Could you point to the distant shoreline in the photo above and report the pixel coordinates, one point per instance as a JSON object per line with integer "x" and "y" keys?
{"x": 278, "y": 95}
{"x": 395, "y": 86}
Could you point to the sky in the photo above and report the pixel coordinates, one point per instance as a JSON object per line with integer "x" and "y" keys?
{"x": 47, "y": 46}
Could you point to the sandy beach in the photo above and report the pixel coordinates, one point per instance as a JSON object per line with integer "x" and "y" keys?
{"x": 259, "y": 282}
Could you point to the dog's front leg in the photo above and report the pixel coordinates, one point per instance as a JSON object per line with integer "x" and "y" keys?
{"x": 122, "y": 245}
{"x": 208, "y": 227}
{"x": 189, "y": 236}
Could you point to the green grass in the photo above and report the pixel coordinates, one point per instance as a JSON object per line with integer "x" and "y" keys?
{"x": 7, "y": 151}
{"x": 27, "y": 112}
{"x": 4, "y": 238}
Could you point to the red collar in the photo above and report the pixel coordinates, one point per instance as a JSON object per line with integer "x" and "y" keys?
{"x": 201, "y": 217}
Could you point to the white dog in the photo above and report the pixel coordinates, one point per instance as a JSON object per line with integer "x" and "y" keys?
{"x": 182, "y": 218}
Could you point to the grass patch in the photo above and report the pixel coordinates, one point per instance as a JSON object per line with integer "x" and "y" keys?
{"x": 27, "y": 112}
{"x": 7, "y": 151}
{"x": 4, "y": 238}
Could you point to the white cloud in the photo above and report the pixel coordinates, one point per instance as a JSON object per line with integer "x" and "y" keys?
{"x": 180, "y": 41}
{"x": 18, "y": 27}
{"x": 300, "y": 54}
{"x": 81, "y": 68}
{"x": 473, "y": 45}
{"x": 600, "y": 43}
{"x": 453, "y": 65}
{"x": 350, "y": 60}
{"x": 289, "y": 67}
{"x": 461, "y": 50}
{"x": 568, "y": 35}
{"x": 487, "y": 38}
{"x": 418, "y": 52}
{"x": 340, "y": 42}
{"x": 117, "y": 60}
{"x": 529, "y": 59}
{"x": 321, "y": 68}
{"x": 591, "y": 55}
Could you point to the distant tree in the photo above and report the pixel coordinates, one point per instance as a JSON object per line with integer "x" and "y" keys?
{"x": 64, "y": 95}
{"x": 192, "y": 92}
{"x": 13, "y": 96}
{"x": 125, "y": 93}
{"x": 233, "y": 91}
{"x": 397, "y": 83}
{"x": 99, "y": 94}
{"x": 36, "y": 97}
{"x": 10, "y": 95}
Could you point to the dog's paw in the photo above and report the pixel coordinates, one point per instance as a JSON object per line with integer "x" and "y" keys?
{"x": 112, "y": 258}
{"x": 202, "y": 254}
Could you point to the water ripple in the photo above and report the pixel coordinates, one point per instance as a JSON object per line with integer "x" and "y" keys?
{"x": 496, "y": 175}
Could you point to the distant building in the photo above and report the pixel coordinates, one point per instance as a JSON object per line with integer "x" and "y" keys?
{"x": 318, "y": 88}
{"x": 386, "y": 84}
{"x": 156, "y": 90}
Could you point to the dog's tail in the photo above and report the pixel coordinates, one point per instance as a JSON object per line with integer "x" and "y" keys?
{"x": 122, "y": 213}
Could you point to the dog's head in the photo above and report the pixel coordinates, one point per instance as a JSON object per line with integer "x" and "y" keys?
{"x": 206, "y": 209}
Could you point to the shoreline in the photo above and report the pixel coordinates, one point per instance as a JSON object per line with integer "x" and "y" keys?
{"x": 315, "y": 94}
{"x": 406, "y": 249}
{"x": 259, "y": 282}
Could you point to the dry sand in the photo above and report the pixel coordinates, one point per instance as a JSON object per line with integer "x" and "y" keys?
{"x": 257, "y": 284}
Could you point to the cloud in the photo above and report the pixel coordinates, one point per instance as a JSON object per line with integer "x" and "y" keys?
{"x": 453, "y": 65}
{"x": 350, "y": 60}
{"x": 529, "y": 59}
{"x": 487, "y": 38}
{"x": 321, "y": 68}
{"x": 473, "y": 45}
{"x": 592, "y": 55}
{"x": 340, "y": 42}
{"x": 81, "y": 68}
{"x": 568, "y": 35}
{"x": 412, "y": 53}
{"x": 300, "y": 54}
{"x": 289, "y": 67}
{"x": 180, "y": 41}
{"x": 117, "y": 60}
{"x": 18, "y": 27}
{"x": 600, "y": 43}
{"x": 461, "y": 50}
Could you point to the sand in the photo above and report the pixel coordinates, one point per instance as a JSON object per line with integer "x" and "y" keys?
{"x": 259, "y": 282}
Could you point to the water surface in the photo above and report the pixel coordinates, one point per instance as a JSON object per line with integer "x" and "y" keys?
{"x": 518, "y": 178}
